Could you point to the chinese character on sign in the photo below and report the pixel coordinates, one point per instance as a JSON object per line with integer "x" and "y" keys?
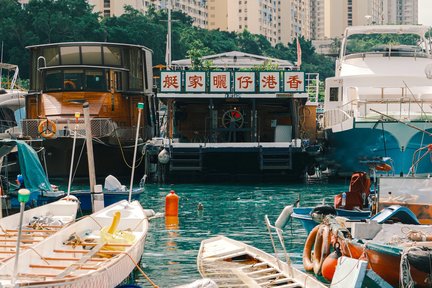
{"x": 170, "y": 81}
{"x": 269, "y": 81}
{"x": 220, "y": 81}
{"x": 294, "y": 82}
{"x": 195, "y": 81}
{"x": 244, "y": 81}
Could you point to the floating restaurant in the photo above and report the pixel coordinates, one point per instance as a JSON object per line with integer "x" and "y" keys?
{"x": 237, "y": 121}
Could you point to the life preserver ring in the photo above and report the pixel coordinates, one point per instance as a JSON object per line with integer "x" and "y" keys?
{"x": 383, "y": 167}
{"x": 70, "y": 85}
{"x": 47, "y": 128}
{"x": 321, "y": 248}
{"x": 307, "y": 250}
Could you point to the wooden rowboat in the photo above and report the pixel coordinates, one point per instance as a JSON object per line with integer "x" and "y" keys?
{"x": 39, "y": 224}
{"x": 231, "y": 263}
{"x": 100, "y": 250}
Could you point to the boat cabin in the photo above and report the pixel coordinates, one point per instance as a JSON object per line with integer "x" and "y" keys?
{"x": 112, "y": 78}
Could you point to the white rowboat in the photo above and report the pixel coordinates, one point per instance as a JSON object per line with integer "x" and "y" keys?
{"x": 52, "y": 218}
{"x": 231, "y": 263}
{"x": 96, "y": 258}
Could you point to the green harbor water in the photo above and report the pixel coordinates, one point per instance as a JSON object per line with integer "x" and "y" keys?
{"x": 236, "y": 211}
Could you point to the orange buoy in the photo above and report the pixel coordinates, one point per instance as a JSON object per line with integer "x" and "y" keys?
{"x": 171, "y": 204}
{"x": 330, "y": 262}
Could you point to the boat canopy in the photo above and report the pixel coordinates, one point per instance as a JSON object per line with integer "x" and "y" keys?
{"x": 387, "y": 29}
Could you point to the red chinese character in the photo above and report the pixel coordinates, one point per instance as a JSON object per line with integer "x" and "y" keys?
{"x": 294, "y": 81}
{"x": 244, "y": 81}
{"x": 219, "y": 81}
{"x": 269, "y": 81}
{"x": 170, "y": 81}
{"x": 195, "y": 81}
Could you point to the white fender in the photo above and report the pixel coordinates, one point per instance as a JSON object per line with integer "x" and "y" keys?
{"x": 283, "y": 218}
{"x": 164, "y": 157}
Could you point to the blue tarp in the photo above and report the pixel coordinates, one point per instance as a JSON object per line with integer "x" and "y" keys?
{"x": 31, "y": 169}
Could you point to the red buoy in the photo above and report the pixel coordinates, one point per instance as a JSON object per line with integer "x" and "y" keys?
{"x": 171, "y": 204}
{"x": 329, "y": 265}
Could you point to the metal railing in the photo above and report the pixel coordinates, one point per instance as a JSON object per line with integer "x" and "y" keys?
{"x": 100, "y": 127}
{"x": 405, "y": 109}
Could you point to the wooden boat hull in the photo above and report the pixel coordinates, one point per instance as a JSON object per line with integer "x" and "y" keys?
{"x": 385, "y": 263}
{"x": 109, "y": 264}
{"x": 231, "y": 263}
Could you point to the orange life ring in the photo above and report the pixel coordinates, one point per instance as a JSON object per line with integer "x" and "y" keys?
{"x": 47, "y": 128}
{"x": 70, "y": 83}
{"x": 321, "y": 248}
{"x": 383, "y": 167}
{"x": 307, "y": 250}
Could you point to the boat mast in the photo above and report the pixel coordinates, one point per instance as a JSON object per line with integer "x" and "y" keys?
{"x": 168, "y": 48}
{"x": 1, "y": 61}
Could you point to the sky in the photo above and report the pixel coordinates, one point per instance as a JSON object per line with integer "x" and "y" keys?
{"x": 425, "y": 12}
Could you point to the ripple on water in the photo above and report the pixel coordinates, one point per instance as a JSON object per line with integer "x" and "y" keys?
{"x": 236, "y": 211}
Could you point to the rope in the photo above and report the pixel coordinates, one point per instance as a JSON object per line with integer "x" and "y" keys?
{"x": 405, "y": 280}
{"x": 122, "y": 153}
{"x": 412, "y": 232}
{"x": 43, "y": 258}
{"x": 141, "y": 271}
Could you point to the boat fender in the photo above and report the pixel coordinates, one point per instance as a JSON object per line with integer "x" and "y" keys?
{"x": 420, "y": 258}
{"x": 319, "y": 212}
{"x": 330, "y": 263}
{"x": 383, "y": 167}
{"x": 47, "y": 128}
{"x": 321, "y": 248}
{"x": 163, "y": 156}
{"x": 284, "y": 217}
{"x": 307, "y": 250}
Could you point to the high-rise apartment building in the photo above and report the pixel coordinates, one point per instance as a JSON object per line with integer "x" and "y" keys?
{"x": 401, "y": 11}
{"x": 280, "y": 21}
{"x": 330, "y": 17}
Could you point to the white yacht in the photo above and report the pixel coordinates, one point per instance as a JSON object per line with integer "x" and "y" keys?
{"x": 379, "y": 104}
{"x": 12, "y": 101}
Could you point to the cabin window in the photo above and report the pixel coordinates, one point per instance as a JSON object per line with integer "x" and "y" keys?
{"x": 73, "y": 80}
{"x": 95, "y": 81}
{"x": 334, "y": 93}
{"x": 118, "y": 81}
{"x": 54, "y": 80}
{"x": 135, "y": 70}
{"x": 51, "y": 56}
{"x": 91, "y": 55}
{"x": 112, "y": 56}
{"x": 70, "y": 55}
